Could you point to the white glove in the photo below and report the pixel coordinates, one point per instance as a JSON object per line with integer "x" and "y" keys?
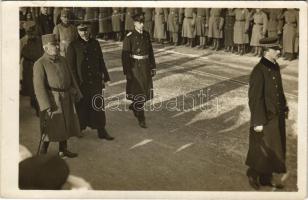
{"x": 258, "y": 128}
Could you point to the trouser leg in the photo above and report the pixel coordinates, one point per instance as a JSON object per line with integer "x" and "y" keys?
{"x": 44, "y": 148}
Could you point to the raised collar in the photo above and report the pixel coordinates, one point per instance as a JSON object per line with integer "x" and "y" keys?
{"x": 83, "y": 41}
{"x": 269, "y": 64}
{"x": 137, "y": 32}
{"x": 65, "y": 25}
{"x": 51, "y": 58}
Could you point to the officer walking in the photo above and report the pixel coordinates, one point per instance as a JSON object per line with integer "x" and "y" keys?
{"x": 56, "y": 90}
{"x": 85, "y": 58}
{"x": 268, "y": 107}
{"x": 139, "y": 67}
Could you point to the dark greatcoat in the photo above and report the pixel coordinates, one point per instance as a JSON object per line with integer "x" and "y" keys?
{"x": 141, "y": 83}
{"x": 44, "y": 24}
{"x": 88, "y": 66}
{"x": 30, "y": 53}
{"x": 267, "y": 105}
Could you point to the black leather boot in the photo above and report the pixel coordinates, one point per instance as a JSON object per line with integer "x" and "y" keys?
{"x": 253, "y": 178}
{"x": 103, "y": 134}
{"x": 63, "y": 152}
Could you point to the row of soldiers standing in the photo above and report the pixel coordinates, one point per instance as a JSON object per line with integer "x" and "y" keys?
{"x": 237, "y": 30}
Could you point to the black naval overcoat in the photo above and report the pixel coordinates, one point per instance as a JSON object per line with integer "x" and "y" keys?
{"x": 87, "y": 63}
{"x": 140, "y": 84}
{"x": 268, "y": 107}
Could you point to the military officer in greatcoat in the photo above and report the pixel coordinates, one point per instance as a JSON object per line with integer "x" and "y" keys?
{"x": 268, "y": 107}
{"x": 139, "y": 67}
{"x": 85, "y": 58}
{"x": 56, "y": 91}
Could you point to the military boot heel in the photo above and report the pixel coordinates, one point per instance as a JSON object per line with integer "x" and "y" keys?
{"x": 63, "y": 152}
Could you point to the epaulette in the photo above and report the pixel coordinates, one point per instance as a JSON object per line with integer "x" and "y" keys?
{"x": 128, "y": 34}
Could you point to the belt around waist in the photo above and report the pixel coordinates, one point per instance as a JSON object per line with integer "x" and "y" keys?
{"x": 59, "y": 89}
{"x": 137, "y": 57}
{"x": 241, "y": 20}
{"x": 258, "y": 24}
{"x": 189, "y": 17}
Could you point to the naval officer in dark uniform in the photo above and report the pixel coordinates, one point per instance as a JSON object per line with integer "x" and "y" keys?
{"x": 268, "y": 107}
{"x": 139, "y": 67}
{"x": 84, "y": 56}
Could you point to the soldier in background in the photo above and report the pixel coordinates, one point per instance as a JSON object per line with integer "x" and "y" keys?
{"x": 56, "y": 91}
{"x": 258, "y": 31}
{"x": 91, "y": 15}
{"x": 188, "y": 29}
{"x": 139, "y": 67}
{"x": 201, "y": 26}
{"x": 105, "y": 26}
{"x": 182, "y": 40}
{"x": 173, "y": 26}
{"x": 30, "y": 52}
{"x": 229, "y": 30}
{"x": 79, "y": 14}
{"x": 160, "y": 19}
{"x": 44, "y": 22}
{"x": 65, "y": 32}
{"x": 290, "y": 33}
{"x": 216, "y": 23}
{"x": 116, "y": 19}
{"x": 85, "y": 58}
{"x": 274, "y": 22}
{"x": 129, "y": 22}
{"x": 241, "y": 26}
{"x": 148, "y": 21}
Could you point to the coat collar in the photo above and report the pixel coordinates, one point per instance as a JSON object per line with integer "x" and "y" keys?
{"x": 136, "y": 32}
{"x": 269, "y": 64}
{"x": 51, "y": 58}
{"x": 83, "y": 41}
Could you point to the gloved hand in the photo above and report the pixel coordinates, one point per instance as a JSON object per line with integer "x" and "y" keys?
{"x": 258, "y": 129}
{"x": 153, "y": 72}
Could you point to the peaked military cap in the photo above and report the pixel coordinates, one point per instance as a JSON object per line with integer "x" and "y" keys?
{"x": 43, "y": 172}
{"x": 49, "y": 38}
{"x": 82, "y": 24}
{"x": 269, "y": 42}
{"x": 138, "y": 17}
